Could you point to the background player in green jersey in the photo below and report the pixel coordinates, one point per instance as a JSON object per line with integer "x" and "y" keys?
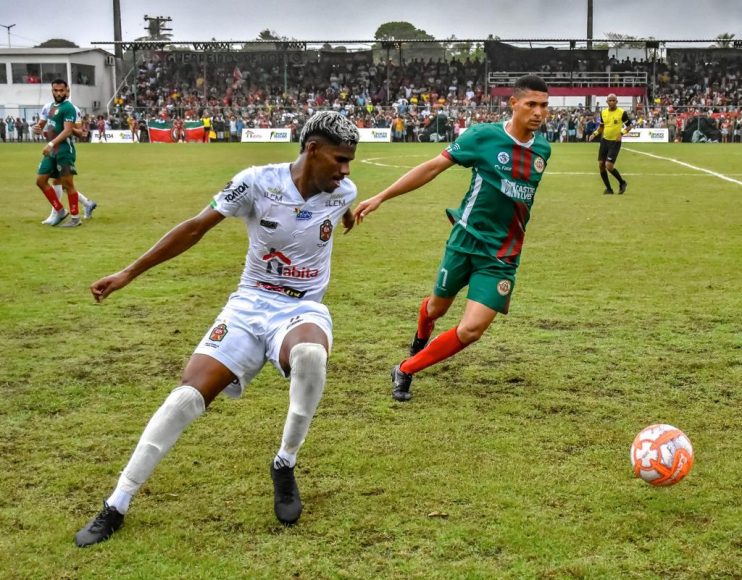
{"x": 483, "y": 250}
{"x": 59, "y": 155}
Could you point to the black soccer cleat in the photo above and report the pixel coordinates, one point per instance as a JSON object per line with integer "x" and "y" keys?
{"x": 608, "y": 192}
{"x": 622, "y": 187}
{"x": 286, "y": 502}
{"x": 100, "y": 528}
{"x": 401, "y": 382}
{"x": 418, "y": 344}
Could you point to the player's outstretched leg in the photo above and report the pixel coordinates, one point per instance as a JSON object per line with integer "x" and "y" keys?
{"x": 101, "y": 527}
{"x": 425, "y": 326}
{"x": 401, "y": 383}
{"x": 308, "y": 363}
{"x": 444, "y": 345}
{"x": 180, "y": 409}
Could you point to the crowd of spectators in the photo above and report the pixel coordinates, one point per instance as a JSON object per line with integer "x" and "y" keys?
{"x": 418, "y": 99}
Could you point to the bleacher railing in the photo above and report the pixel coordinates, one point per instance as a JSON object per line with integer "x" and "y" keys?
{"x": 572, "y": 79}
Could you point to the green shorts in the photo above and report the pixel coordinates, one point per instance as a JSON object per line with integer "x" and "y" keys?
{"x": 489, "y": 283}
{"x": 58, "y": 165}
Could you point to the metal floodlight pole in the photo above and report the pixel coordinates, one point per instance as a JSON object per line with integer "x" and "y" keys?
{"x": 8, "y": 28}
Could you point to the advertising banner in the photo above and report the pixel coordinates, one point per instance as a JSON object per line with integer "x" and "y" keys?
{"x": 647, "y": 136}
{"x": 266, "y": 135}
{"x": 375, "y": 135}
{"x": 111, "y": 136}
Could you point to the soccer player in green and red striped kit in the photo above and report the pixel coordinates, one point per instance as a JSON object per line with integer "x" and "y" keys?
{"x": 483, "y": 250}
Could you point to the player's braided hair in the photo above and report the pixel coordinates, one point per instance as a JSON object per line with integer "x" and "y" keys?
{"x": 332, "y": 126}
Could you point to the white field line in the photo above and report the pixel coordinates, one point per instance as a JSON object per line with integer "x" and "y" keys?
{"x": 376, "y": 161}
{"x": 688, "y": 165}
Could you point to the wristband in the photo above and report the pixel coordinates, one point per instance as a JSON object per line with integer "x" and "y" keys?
{"x": 50, "y": 144}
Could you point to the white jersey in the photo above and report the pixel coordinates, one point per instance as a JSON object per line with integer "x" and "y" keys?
{"x": 290, "y": 237}
{"x": 44, "y": 116}
{"x": 46, "y": 112}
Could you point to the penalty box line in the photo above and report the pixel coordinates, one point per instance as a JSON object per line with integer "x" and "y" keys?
{"x": 684, "y": 164}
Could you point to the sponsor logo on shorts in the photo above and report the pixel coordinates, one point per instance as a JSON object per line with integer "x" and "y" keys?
{"x": 325, "y": 230}
{"x": 539, "y": 164}
{"x": 218, "y": 332}
{"x": 269, "y": 224}
{"x": 503, "y": 157}
{"x": 294, "y": 321}
{"x": 503, "y": 287}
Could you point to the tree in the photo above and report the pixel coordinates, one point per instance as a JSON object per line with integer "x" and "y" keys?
{"x": 62, "y": 43}
{"x": 401, "y": 31}
{"x": 624, "y": 40}
{"x": 724, "y": 40}
{"x": 268, "y": 34}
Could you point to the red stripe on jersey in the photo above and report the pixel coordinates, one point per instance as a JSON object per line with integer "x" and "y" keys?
{"x": 516, "y": 161}
{"x": 516, "y": 233}
{"x": 521, "y": 210}
{"x": 447, "y": 155}
{"x": 527, "y": 160}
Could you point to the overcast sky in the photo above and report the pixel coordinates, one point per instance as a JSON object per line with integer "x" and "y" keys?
{"x": 86, "y": 21}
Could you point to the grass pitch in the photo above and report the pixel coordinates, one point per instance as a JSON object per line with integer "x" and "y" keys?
{"x": 510, "y": 461}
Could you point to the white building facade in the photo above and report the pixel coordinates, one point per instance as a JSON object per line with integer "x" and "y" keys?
{"x": 26, "y": 75}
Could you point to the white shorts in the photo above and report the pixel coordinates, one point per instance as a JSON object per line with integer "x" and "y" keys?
{"x": 250, "y": 330}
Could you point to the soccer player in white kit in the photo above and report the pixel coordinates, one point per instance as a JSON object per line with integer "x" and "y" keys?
{"x": 276, "y": 314}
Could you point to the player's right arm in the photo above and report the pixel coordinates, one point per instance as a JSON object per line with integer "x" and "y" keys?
{"x": 599, "y": 130}
{"x": 182, "y": 237}
{"x": 413, "y": 179}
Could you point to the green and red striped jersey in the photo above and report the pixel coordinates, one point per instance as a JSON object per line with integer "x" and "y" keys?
{"x": 497, "y": 206}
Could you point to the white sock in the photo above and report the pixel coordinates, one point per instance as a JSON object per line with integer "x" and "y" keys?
{"x": 120, "y": 500}
{"x": 59, "y": 191}
{"x": 83, "y": 200}
{"x": 308, "y": 372}
{"x": 180, "y": 409}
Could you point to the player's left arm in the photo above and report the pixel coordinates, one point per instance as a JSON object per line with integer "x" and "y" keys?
{"x": 626, "y": 122}
{"x": 78, "y": 130}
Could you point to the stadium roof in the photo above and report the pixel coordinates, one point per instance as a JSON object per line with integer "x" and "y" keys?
{"x": 59, "y": 51}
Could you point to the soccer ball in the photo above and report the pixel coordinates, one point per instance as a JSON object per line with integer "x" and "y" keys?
{"x": 661, "y": 455}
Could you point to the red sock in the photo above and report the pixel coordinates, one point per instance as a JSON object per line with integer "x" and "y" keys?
{"x": 440, "y": 348}
{"x": 51, "y": 195}
{"x": 425, "y": 324}
{"x": 73, "y": 197}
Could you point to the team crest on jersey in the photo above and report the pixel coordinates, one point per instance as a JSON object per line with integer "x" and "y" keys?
{"x": 503, "y": 287}
{"x": 218, "y": 332}
{"x": 325, "y": 230}
{"x": 503, "y": 157}
{"x": 539, "y": 164}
